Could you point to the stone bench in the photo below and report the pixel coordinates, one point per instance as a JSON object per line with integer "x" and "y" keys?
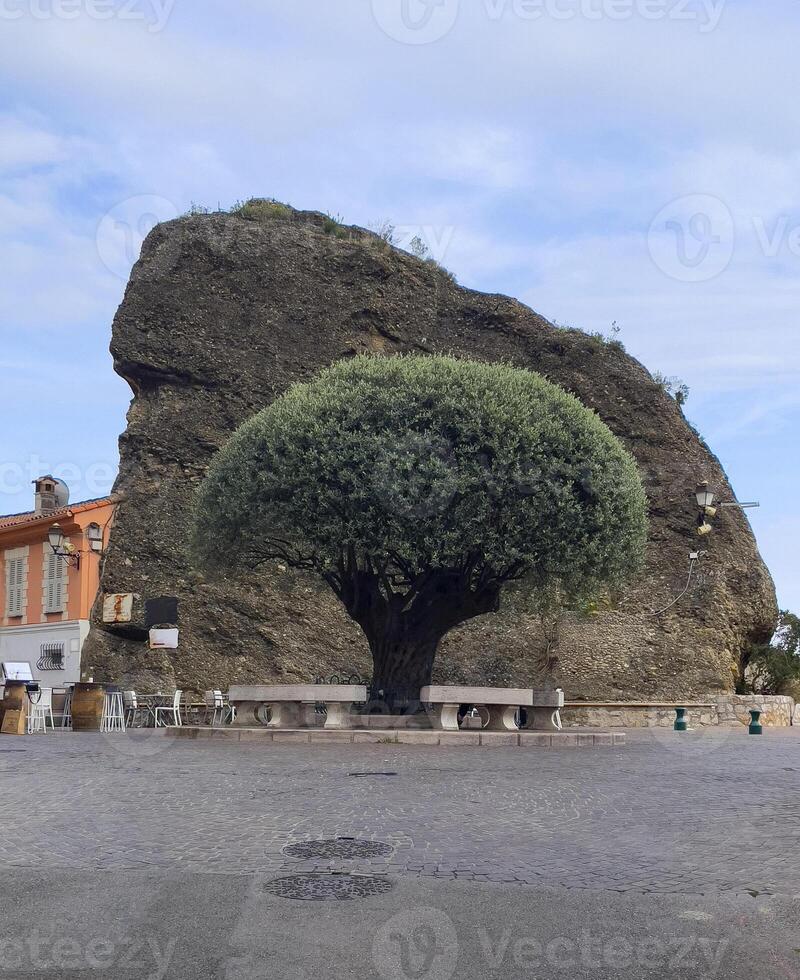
{"x": 502, "y": 704}
{"x": 292, "y": 705}
{"x": 546, "y": 714}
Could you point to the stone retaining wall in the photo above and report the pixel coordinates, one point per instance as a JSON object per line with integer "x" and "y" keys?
{"x": 729, "y": 709}
{"x": 776, "y": 710}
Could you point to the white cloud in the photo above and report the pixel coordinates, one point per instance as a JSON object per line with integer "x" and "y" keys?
{"x": 25, "y": 145}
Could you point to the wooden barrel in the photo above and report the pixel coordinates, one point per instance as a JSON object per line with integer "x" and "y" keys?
{"x": 87, "y": 707}
{"x": 14, "y": 708}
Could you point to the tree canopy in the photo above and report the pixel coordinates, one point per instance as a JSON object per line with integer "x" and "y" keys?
{"x": 774, "y": 668}
{"x": 415, "y": 486}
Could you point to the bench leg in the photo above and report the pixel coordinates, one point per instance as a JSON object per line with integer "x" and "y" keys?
{"x": 544, "y": 719}
{"x": 444, "y": 717}
{"x": 501, "y": 718}
{"x": 247, "y": 715}
{"x": 338, "y": 715}
{"x": 308, "y": 715}
{"x": 284, "y": 714}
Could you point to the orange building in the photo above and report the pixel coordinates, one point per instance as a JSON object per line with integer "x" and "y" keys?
{"x": 47, "y": 592}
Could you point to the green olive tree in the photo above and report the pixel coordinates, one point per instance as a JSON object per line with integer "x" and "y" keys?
{"x": 416, "y": 487}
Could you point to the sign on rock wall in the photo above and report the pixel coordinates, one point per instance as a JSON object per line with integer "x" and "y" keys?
{"x": 118, "y": 607}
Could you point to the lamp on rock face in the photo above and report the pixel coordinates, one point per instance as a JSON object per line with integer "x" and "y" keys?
{"x": 705, "y": 502}
{"x": 705, "y": 498}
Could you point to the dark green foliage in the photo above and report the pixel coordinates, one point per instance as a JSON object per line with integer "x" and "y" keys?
{"x": 774, "y": 668}
{"x": 428, "y": 460}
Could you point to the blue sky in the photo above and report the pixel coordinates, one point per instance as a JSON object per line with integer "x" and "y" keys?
{"x": 603, "y": 160}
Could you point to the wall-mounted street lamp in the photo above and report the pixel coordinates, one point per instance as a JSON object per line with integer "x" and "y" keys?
{"x": 705, "y": 503}
{"x": 67, "y": 551}
{"x": 705, "y": 498}
{"x": 706, "y": 511}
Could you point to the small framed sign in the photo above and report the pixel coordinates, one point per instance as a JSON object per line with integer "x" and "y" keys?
{"x": 118, "y": 607}
{"x": 164, "y": 639}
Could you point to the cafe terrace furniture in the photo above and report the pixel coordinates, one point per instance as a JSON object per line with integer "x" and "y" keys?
{"x": 87, "y": 706}
{"x": 294, "y": 705}
{"x": 217, "y": 708}
{"x": 62, "y": 707}
{"x": 40, "y": 711}
{"x": 113, "y": 719}
{"x": 14, "y": 709}
{"x": 169, "y": 715}
{"x": 133, "y": 710}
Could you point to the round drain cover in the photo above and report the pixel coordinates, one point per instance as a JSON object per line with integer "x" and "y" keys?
{"x": 327, "y": 888}
{"x": 338, "y": 847}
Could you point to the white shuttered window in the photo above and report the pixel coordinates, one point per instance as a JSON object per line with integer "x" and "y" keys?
{"x": 55, "y": 584}
{"x": 15, "y": 586}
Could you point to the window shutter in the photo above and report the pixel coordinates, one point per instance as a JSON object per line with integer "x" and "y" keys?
{"x": 15, "y": 579}
{"x": 54, "y": 584}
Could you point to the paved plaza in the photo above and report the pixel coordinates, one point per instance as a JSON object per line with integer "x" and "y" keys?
{"x": 142, "y": 855}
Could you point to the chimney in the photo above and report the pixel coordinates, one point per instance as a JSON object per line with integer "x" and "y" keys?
{"x": 51, "y": 495}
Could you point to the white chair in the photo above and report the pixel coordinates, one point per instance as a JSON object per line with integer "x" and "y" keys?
{"x": 214, "y": 706}
{"x": 113, "y": 719}
{"x": 66, "y": 718}
{"x": 171, "y": 713}
{"x": 65, "y": 714}
{"x": 40, "y": 711}
{"x": 221, "y": 710}
{"x": 130, "y": 704}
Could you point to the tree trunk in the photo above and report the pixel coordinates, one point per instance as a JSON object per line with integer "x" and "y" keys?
{"x": 404, "y": 630}
{"x": 401, "y": 667}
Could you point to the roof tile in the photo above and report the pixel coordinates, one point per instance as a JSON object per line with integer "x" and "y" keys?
{"x": 15, "y": 520}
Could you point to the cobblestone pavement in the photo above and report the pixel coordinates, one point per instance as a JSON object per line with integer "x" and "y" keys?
{"x": 699, "y": 814}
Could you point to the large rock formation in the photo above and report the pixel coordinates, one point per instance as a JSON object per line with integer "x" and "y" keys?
{"x": 223, "y": 312}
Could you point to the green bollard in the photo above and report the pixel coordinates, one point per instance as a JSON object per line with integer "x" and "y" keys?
{"x": 680, "y": 720}
{"x": 755, "y": 725}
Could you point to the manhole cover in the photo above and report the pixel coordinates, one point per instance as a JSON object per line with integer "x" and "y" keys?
{"x": 339, "y": 847}
{"x": 328, "y": 888}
